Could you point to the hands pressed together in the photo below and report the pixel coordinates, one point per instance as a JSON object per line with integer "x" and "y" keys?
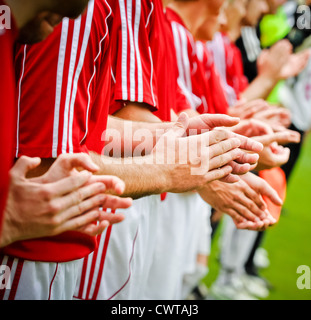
{"x": 210, "y": 154}
{"x": 63, "y": 199}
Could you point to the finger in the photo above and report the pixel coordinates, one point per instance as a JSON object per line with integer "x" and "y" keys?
{"x": 236, "y": 217}
{"x": 257, "y": 208}
{"x": 112, "y": 218}
{"x": 250, "y": 158}
{"x": 240, "y": 206}
{"x": 77, "y": 160}
{"x": 111, "y": 182}
{"x": 72, "y": 206}
{"x": 256, "y": 198}
{"x": 23, "y": 165}
{"x": 216, "y": 136}
{"x": 79, "y": 222}
{"x": 281, "y": 137}
{"x": 231, "y": 178}
{"x": 219, "y": 120}
{"x": 217, "y": 174}
{"x": 114, "y": 202}
{"x": 93, "y": 230}
{"x": 270, "y": 193}
{"x": 239, "y": 169}
{"x": 249, "y": 144}
{"x": 69, "y": 184}
{"x": 252, "y": 226}
{"x": 255, "y": 109}
{"x": 180, "y": 127}
{"x": 224, "y": 159}
{"x": 223, "y": 147}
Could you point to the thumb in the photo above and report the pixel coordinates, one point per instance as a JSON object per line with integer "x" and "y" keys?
{"x": 272, "y": 194}
{"x": 23, "y": 165}
{"x": 181, "y": 125}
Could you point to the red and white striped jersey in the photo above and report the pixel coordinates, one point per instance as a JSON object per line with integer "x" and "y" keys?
{"x": 63, "y": 104}
{"x": 214, "y": 88}
{"x": 186, "y": 58}
{"x": 217, "y": 47}
{"x": 7, "y": 124}
{"x": 198, "y": 77}
{"x": 163, "y": 50}
{"x": 234, "y": 67}
{"x": 133, "y": 76}
{"x": 159, "y": 45}
{"x": 63, "y": 87}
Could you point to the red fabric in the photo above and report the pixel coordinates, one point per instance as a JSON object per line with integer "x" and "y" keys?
{"x": 7, "y": 121}
{"x": 68, "y": 113}
{"x": 213, "y": 91}
{"x": 234, "y": 67}
{"x": 133, "y": 76}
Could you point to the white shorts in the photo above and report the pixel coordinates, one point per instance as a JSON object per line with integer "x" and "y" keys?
{"x": 30, "y": 280}
{"x": 179, "y": 240}
{"x": 117, "y": 270}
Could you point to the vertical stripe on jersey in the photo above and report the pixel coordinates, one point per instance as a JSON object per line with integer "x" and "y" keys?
{"x": 59, "y": 83}
{"x": 139, "y": 66}
{"x": 132, "y": 50}
{"x": 94, "y": 72}
{"x": 187, "y": 91}
{"x": 86, "y": 36}
{"x": 185, "y": 57}
{"x": 18, "y": 268}
{"x": 73, "y": 57}
{"x": 130, "y": 269}
{"x": 148, "y": 19}
{"x": 124, "y": 49}
{"x": 15, "y": 265}
{"x": 19, "y": 100}
{"x": 151, "y": 76}
{"x": 251, "y": 43}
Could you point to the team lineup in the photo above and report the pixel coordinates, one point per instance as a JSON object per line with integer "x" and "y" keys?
{"x": 129, "y": 131}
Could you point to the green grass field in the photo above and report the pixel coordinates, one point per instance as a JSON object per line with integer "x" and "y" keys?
{"x": 288, "y": 243}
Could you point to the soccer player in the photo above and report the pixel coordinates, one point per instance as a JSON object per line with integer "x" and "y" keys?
{"x": 129, "y": 247}
{"x": 68, "y": 195}
{"x": 79, "y": 97}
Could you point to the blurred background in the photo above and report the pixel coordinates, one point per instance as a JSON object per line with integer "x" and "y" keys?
{"x": 288, "y": 244}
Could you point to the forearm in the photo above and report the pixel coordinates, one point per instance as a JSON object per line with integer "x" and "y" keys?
{"x": 259, "y": 88}
{"x": 132, "y": 133}
{"x": 142, "y": 177}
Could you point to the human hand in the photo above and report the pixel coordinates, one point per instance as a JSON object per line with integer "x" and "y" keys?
{"x": 246, "y": 110}
{"x": 242, "y": 201}
{"x": 273, "y": 156}
{"x": 193, "y": 161}
{"x": 61, "y": 200}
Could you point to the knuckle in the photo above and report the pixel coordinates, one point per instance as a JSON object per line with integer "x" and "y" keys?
{"x": 46, "y": 193}
{"x": 54, "y": 207}
{"x": 56, "y": 221}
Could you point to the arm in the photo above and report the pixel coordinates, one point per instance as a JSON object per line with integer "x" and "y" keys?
{"x": 61, "y": 200}
{"x": 277, "y": 63}
{"x": 242, "y": 201}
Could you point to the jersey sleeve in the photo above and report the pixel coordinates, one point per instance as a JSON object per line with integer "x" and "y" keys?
{"x": 186, "y": 62}
{"x": 133, "y": 76}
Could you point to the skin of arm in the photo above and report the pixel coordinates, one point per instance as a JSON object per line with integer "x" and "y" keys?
{"x": 60, "y": 200}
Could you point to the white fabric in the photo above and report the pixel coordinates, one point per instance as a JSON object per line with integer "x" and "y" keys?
{"x": 128, "y": 256}
{"x": 178, "y": 243}
{"x": 44, "y": 281}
